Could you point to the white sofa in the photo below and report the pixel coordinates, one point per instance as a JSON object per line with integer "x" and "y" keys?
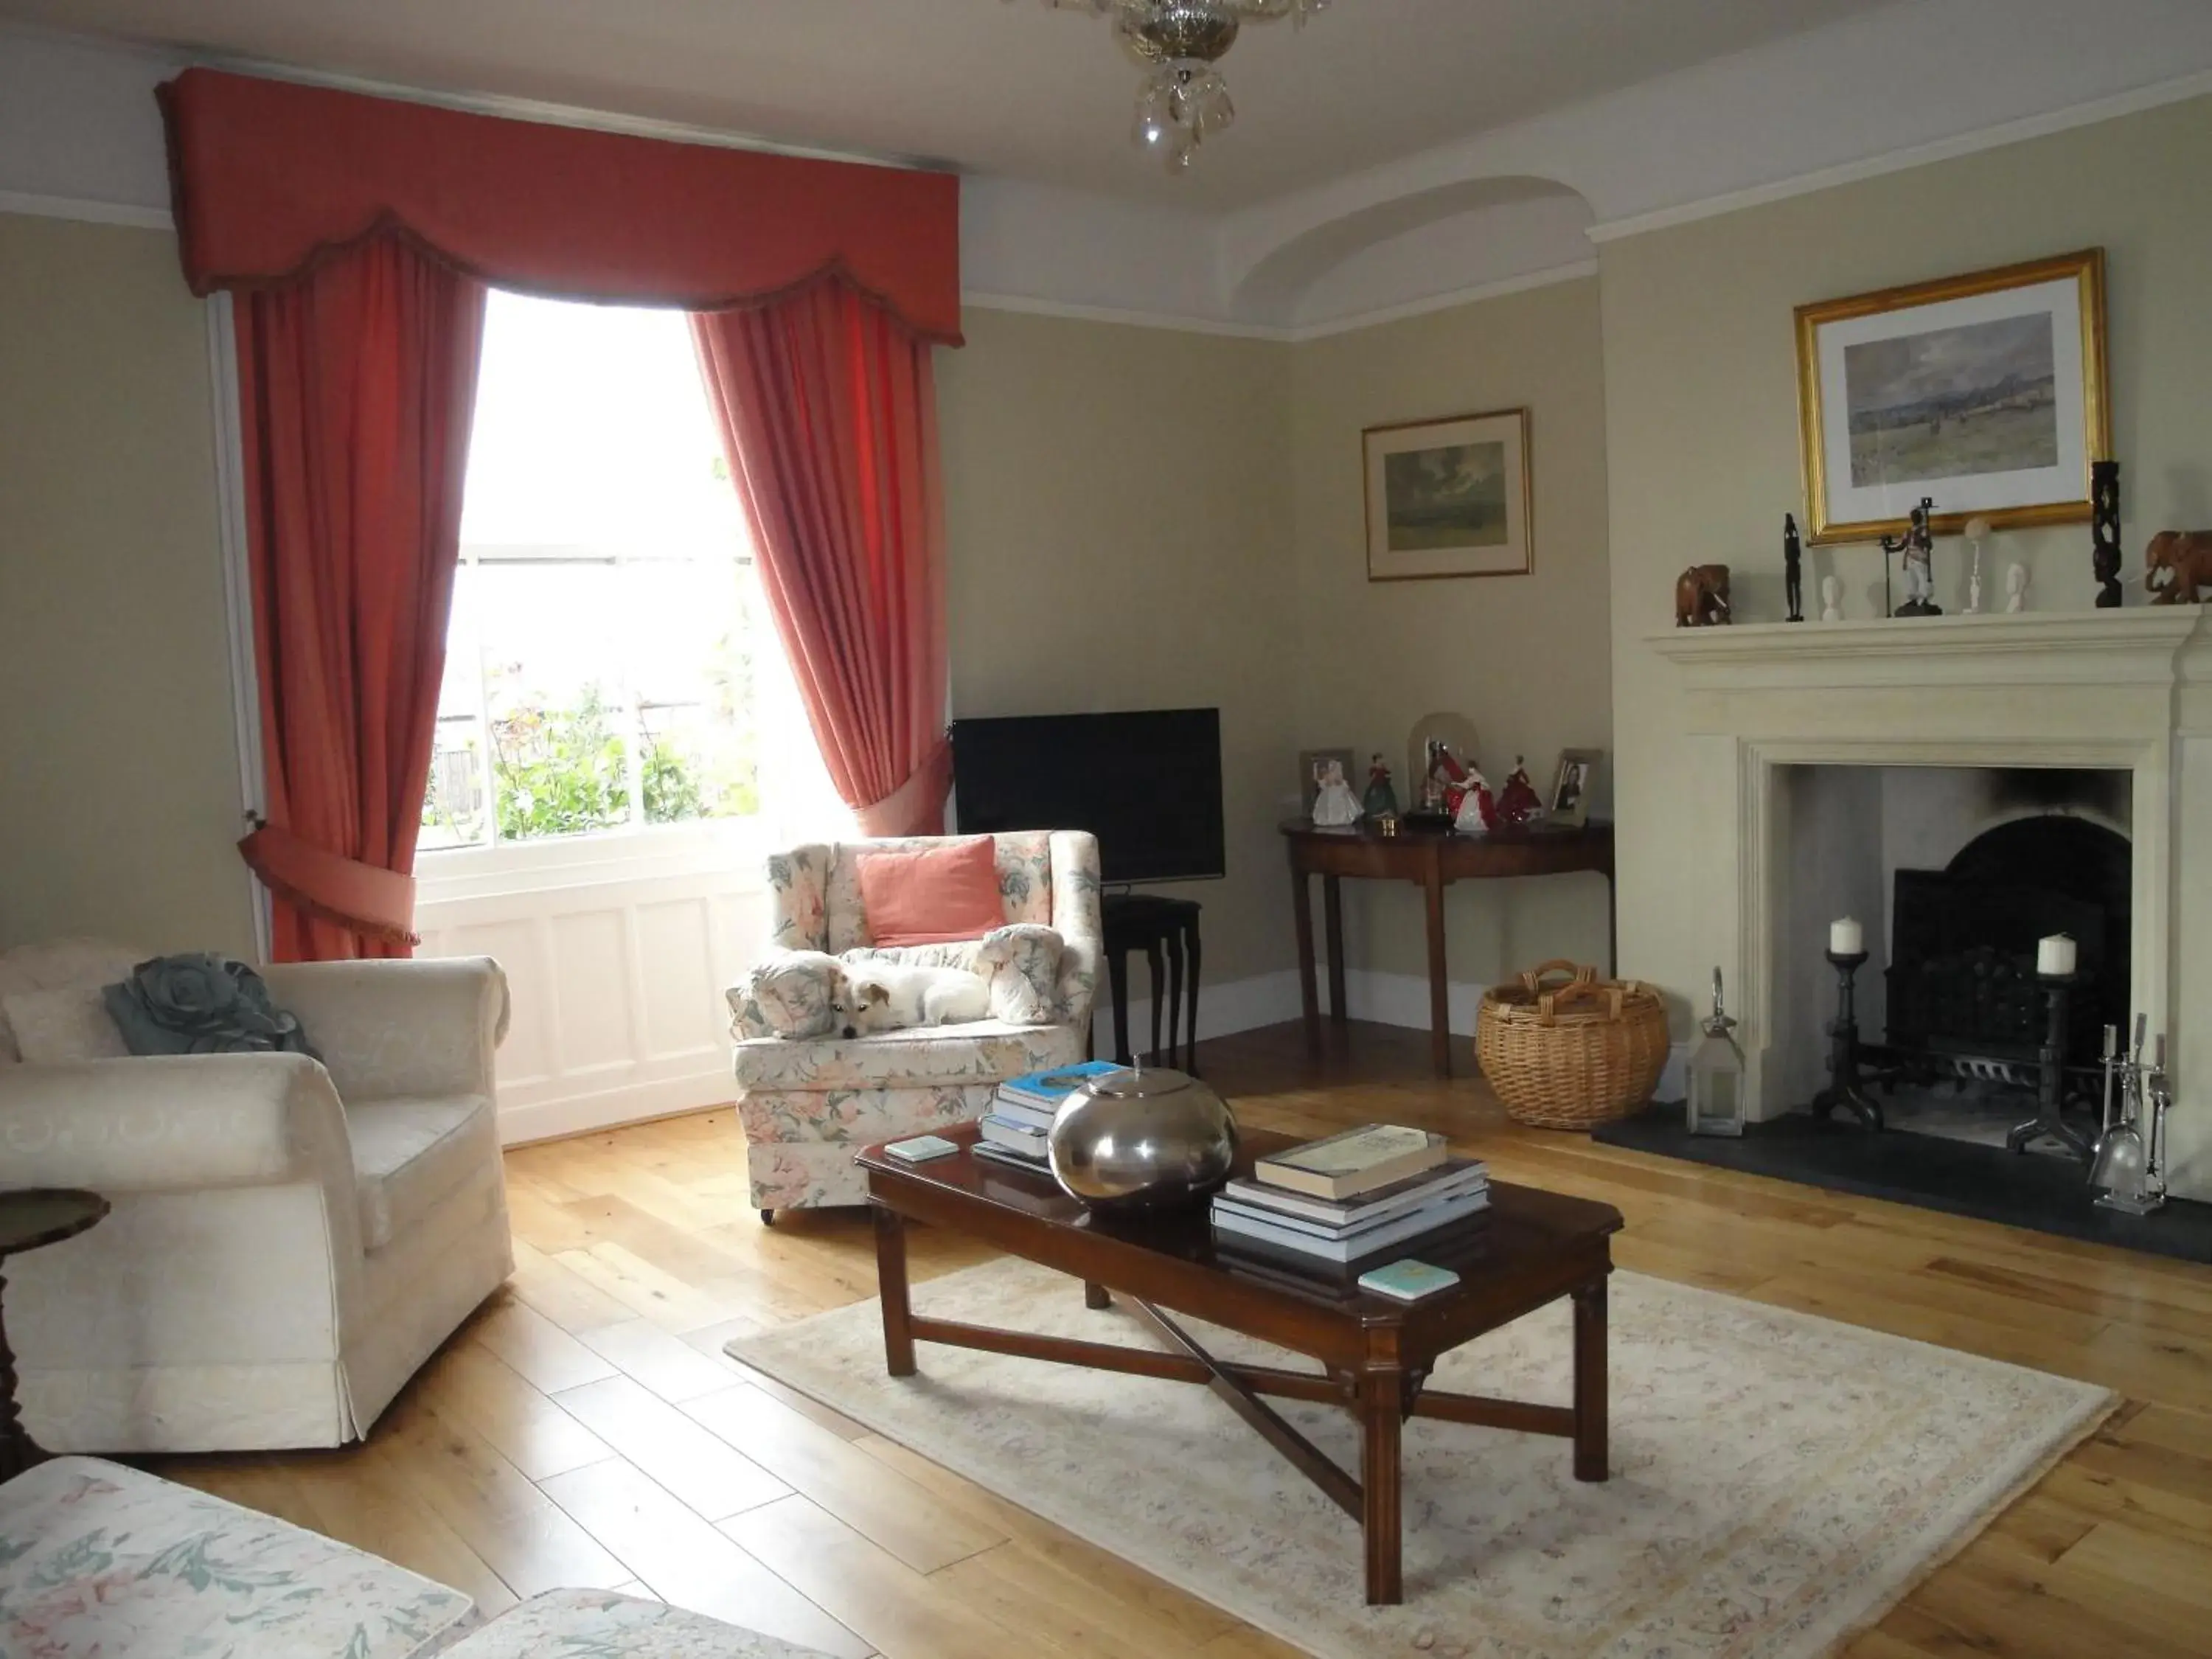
{"x": 807, "y": 1107}
{"x": 290, "y": 1239}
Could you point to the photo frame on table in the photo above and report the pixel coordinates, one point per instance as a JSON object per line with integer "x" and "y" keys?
{"x": 1986, "y": 392}
{"x": 1573, "y": 782}
{"x": 1449, "y": 498}
{"x": 1310, "y": 763}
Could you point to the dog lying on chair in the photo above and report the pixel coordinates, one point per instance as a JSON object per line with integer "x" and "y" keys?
{"x": 883, "y": 996}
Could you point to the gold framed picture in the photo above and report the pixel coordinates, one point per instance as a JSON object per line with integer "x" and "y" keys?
{"x": 1449, "y": 498}
{"x": 1986, "y": 392}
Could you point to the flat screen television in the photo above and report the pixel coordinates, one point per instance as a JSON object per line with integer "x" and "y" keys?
{"x": 1147, "y": 784}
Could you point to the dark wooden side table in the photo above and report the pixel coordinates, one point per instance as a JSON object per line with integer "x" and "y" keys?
{"x": 30, "y": 1218}
{"x": 1433, "y": 861}
{"x": 1156, "y": 926}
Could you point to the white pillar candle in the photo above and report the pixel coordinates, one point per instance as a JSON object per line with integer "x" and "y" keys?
{"x": 1846, "y": 937}
{"x": 2054, "y": 956}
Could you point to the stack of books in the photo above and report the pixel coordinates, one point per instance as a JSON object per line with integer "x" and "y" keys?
{"x": 1352, "y": 1196}
{"x": 1015, "y": 1129}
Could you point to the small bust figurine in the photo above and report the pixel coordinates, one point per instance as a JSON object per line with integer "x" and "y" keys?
{"x": 1832, "y": 598}
{"x": 2016, "y": 589}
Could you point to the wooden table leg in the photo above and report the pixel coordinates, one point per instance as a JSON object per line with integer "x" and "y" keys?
{"x": 1382, "y": 1411}
{"x": 1432, "y": 883}
{"x": 1591, "y": 1451}
{"x": 1152, "y": 961}
{"x": 1095, "y": 1296}
{"x": 1174, "y": 992}
{"x": 1190, "y": 1038}
{"x": 1309, "y": 993}
{"x": 1331, "y": 911}
{"x": 1117, "y": 985}
{"x": 891, "y": 1284}
{"x": 18, "y": 1451}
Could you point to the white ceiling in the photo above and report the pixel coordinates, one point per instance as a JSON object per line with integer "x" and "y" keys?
{"x": 1012, "y": 89}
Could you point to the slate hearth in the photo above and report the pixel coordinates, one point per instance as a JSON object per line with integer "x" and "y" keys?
{"x": 2044, "y": 1195}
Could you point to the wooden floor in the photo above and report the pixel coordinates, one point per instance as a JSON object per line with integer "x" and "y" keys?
{"x": 586, "y": 1428}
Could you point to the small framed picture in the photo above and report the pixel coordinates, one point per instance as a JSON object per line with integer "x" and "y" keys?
{"x": 1314, "y": 766}
{"x": 1449, "y": 498}
{"x": 1572, "y": 785}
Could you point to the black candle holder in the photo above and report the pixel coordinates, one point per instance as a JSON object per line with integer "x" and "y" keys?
{"x": 1843, "y": 1086}
{"x": 2050, "y": 1080}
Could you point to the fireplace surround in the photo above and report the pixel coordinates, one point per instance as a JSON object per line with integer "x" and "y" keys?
{"x": 2126, "y": 692}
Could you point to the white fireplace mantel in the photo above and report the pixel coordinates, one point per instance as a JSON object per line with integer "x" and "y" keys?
{"x": 2124, "y": 648}
{"x": 2128, "y": 689}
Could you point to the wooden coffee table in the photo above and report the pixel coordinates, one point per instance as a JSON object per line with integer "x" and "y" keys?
{"x": 1530, "y": 1248}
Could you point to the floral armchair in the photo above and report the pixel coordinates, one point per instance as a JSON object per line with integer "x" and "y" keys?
{"x": 808, "y": 1106}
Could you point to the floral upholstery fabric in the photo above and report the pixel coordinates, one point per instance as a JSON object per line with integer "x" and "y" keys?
{"x": 97, "y": 1559}
{"x": 786, "y": 995}
{"x": 1022, "y": 965}
{"x": 579, "y": 1624}
{"x": 982, "y": 1051}
{"x": 806, "y": 1106}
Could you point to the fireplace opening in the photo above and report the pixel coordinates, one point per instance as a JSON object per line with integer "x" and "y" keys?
{"x": 1961, "y": 976}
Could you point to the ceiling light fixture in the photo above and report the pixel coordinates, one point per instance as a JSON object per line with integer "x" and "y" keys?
{"x": 1184, "y": 101}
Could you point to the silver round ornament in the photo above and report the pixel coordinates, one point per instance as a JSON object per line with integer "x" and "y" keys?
{"x": 1141, "y": 1139}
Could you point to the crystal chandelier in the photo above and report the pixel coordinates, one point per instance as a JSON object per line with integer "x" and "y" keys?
{"x": 1184, "y": 101}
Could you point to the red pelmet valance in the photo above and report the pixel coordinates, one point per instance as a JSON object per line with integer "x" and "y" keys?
{"x": 269, "y": 175}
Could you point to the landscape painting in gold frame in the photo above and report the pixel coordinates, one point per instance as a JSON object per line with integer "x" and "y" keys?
{"x": 1986, "y": 392}
{"x": 1449, "y": 498}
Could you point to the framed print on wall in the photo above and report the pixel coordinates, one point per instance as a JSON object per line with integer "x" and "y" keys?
{"x": 1986, "y": 392}
{"x": 1449, "y": 498}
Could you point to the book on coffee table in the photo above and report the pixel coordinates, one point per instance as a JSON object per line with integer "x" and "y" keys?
{"x": 1357, "y": 1161}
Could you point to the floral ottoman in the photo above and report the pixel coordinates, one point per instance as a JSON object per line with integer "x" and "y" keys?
{"x": 581, "y": 1624}
{"x": 98, "y": 1561}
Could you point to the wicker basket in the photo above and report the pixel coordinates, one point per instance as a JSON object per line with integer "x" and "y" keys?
{"x": 1567, "y": 1050}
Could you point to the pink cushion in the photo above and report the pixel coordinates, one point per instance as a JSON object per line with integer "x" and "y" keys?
{"x": 930, "y": 896}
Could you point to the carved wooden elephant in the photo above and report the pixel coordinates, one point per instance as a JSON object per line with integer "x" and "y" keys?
{"x": 2185, "y": 557}
{"x": 1701, "y": 597}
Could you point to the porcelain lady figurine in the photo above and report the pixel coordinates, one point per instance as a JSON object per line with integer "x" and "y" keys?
{"x": 1335, "y": 806}
{"x": 1381, "y": 799}
{"x": 1832, "y": 598}
{"x": 1476, "y": 808}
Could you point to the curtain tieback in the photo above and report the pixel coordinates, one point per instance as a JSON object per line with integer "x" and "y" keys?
{"x": 916, "y": 807}
{"x": 343, "y": 891}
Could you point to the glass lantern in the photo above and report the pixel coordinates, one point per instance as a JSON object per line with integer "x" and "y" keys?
{"x": 1715, "y": 1075}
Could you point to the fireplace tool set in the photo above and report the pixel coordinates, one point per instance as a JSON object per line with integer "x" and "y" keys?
{"x": 2129, "y": 1169}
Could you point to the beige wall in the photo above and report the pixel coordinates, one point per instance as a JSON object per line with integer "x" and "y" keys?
{"x": 1524, "y": 657}
{"x": 1119, "y": 525}
{"x": 118, "y": 770}
{"x": 1701, "y": 439}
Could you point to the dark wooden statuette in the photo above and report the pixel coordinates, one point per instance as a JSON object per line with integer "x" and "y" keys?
{"x": 2104, "y": 532}
{"x": 1793, "y": 568}
{"x": 1701, "y": 597}
{"x": 1374, "y": 1355}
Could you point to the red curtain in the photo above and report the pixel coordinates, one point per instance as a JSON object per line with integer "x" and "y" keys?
{"x": 828, "y": 407}
{"x": 357, "y": 384}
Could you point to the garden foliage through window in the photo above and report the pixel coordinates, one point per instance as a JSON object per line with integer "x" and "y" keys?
{"x": 608, "y": 640}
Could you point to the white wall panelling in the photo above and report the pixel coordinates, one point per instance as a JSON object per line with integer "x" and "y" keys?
{"x": 617, "y": 991}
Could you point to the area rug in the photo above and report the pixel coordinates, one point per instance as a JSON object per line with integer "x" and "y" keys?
{"x": 1778, "y": 1480}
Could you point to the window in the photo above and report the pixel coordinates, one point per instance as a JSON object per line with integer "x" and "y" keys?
{"x": 608, "y": 652}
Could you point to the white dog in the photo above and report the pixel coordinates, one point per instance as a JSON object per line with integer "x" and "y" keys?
{"x": 883, "y": 996}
